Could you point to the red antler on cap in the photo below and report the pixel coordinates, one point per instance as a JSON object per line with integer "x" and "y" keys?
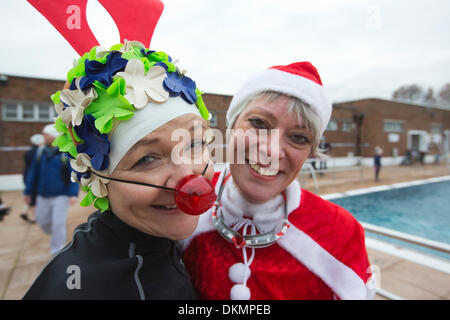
{"x": 135, "y": 19}
{"x": 69, "y": 18}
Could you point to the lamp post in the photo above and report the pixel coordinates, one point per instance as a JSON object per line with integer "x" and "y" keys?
{"x": 358, "y": 119}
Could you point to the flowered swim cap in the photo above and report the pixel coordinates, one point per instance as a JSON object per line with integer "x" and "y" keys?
{"x": 115, "y": 98}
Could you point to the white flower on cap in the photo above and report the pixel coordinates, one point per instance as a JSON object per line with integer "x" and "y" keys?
{"x": 98, "y": 184}
{"x": 76, "y": 101}
{"x": 141, "y": 87}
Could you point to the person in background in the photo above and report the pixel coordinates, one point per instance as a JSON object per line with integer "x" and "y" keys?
{"x": 4, "y": 210}
{"x": 49, "y": 178}
{"x": 38, "y": 142}
{"x": 377, "y": 162}
{"x": 324, "y": 147}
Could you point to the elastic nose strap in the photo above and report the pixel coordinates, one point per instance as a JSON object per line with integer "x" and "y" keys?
{"x": 206, "y": 168}
{"x": 141, "y": 183}
{"x": 132, "y": 182}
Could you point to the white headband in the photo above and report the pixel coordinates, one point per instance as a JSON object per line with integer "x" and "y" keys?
{"x": 153, "y": 116}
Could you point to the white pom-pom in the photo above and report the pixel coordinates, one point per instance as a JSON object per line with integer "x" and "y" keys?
{"x": 237, "y": 271}
{"x": 240, "y": 292}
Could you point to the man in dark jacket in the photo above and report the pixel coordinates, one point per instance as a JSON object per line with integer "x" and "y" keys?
{"x": 49, "y": 178}
{"x": 34, "y": 154}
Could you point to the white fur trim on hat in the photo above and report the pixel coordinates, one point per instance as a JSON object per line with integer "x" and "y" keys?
{"x": 287, "y": 83}
{"x": 144, "y": 121}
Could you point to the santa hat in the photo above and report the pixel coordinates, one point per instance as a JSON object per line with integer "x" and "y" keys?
{"x": 300, "y": 80}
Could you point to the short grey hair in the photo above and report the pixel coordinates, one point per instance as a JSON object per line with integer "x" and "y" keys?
{"x": 307, "y": 117}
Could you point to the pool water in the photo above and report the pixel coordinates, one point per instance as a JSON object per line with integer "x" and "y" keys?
{"x": 421, "y": 210}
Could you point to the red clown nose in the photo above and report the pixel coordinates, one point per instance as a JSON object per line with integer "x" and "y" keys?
{"x": 194, "y": 194}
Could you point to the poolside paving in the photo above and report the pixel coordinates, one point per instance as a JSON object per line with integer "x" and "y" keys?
{"x": 24, "y": 248}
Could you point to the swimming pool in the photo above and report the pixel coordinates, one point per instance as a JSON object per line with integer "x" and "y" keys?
{"x": 422, "y": 210}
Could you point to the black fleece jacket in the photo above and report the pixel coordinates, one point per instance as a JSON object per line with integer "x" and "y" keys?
{"x": 108, "y": 259}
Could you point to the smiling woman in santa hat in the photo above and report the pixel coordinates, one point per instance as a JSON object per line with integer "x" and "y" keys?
{"x": 266, "y": 237}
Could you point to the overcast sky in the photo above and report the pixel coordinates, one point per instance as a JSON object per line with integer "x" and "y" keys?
{"x": 361, "y": 48}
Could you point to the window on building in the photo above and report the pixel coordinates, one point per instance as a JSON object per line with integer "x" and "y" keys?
{"x": 436, "y": 128}
{"x": 393, "y": 126}
{"x": 27, "y": 111}
{"x": 44, "y": 112}
{"x": 10, "y": 111}
{"x": 347, "y": 125}
{"x": 213, "y": 120}
{"x": 332, "y": 125}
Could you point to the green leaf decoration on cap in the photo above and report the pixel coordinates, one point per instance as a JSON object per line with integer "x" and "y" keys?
{"x": 102, "y": 204}
{"x": 89, "y": 198}
{"x": 133, "y": 53}
{"x": 64, "y": 141}
{"x": 201, "y": 105}
{"x": 118, "y": 107}
{"x": 116, "y": 47}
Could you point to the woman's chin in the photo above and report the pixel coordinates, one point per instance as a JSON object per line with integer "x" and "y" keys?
{"x": 257, "y": 193}
{"x": 184, "y": 229}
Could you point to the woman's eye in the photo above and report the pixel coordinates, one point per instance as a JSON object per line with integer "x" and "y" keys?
{"x": 197, "y": 144}
{"x": 299, "y": 139}
{"x": 145, "y": 160}
{"x": 258, "y": 123}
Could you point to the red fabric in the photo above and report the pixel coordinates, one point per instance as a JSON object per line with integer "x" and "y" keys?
{"x": 135, "y": 19}
{"x": 69, "y": 18}
{"x": 304, "y": 69}
{"x": 275, "y": 274}
{"x": 215, "y": 178}
{"x": 335, "y": 229}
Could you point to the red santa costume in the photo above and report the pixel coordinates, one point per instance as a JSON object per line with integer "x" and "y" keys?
{"x": 297, "y": 245}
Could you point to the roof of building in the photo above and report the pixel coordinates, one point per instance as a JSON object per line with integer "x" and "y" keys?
{"x": 402, "y": 101}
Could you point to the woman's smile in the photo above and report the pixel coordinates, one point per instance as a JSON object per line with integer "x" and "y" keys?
{"x": 167, "y": 207}
{"x": 263, "y": 172}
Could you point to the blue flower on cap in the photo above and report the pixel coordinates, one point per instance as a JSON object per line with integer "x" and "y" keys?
{"x": 103, "y": 73}
{"x": 96, "y": 145}
{"x": 178, "y": 85}
{"x": 85, "y": 175}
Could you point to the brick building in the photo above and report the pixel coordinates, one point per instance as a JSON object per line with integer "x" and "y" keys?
{"x": 26, "y": 108}
{"x": 356, "y": 127}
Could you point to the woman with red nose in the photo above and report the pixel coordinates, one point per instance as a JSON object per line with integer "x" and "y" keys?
{"x": 116, "y": 120}
{"x": 266, "y": 237}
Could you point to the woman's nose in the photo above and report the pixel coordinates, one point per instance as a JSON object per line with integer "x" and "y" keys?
{"x": 179, "y": 171}
{"x": 194, "y": 193}
{"x": 271, "y": 147}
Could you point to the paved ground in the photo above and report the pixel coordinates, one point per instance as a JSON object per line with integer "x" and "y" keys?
{"x": 24, "y": 248}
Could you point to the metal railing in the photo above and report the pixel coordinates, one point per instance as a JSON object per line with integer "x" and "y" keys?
{"x": 435, "y": 245}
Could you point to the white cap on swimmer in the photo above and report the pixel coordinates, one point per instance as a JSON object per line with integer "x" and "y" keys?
{"x": 153, "y": 116}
